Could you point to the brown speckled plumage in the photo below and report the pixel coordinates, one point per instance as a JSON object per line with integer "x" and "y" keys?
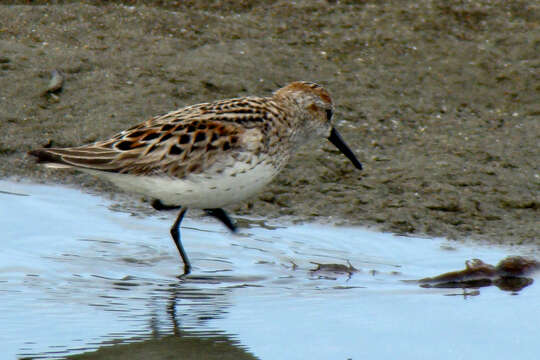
{"x": 211, "y": 154}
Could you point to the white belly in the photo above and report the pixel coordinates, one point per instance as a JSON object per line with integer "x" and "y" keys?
{"x": 201, "y": 191}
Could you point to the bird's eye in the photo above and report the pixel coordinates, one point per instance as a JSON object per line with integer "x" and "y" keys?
{"x": 329, "y": 114}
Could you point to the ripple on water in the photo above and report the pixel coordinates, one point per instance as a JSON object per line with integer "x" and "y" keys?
{"x": 79, "y": 276}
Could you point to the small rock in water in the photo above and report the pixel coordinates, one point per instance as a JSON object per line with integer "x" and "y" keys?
{"x": 335, "y": 268}
{"x": 509, "y": 275}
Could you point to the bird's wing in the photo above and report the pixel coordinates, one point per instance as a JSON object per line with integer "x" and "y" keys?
{"x": 181, "y": 142}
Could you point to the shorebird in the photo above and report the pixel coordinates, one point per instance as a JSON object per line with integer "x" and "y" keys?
{"x": 208, "y": 155}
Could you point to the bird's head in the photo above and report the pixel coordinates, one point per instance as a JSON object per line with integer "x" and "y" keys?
{"x": 315, "y": 113}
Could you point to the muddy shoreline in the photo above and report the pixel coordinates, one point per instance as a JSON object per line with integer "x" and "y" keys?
{"x": 440, "y": 102}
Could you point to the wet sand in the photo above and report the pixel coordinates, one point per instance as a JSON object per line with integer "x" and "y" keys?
{"x": 440, "y": 101}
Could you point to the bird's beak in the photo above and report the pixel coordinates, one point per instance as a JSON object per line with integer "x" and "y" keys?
{"x": 337, "y": 140}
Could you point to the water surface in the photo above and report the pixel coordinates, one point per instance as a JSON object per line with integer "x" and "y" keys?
{"x": 76, "y": 277}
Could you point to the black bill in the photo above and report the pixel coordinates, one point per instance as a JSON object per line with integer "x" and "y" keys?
{"x": 337, "y": 140}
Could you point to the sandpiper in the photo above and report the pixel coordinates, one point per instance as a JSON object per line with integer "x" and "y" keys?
{"x": 208, "y": 155}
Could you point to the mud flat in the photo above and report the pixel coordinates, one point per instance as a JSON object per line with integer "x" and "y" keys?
{"x": 439, "y": 100}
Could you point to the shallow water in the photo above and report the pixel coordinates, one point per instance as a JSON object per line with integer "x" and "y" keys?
{"x": 76, "y": 276}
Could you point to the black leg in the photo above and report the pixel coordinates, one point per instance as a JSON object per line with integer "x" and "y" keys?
{"x": 175, "y": 233}
{"x": 158, "y": 205}
{"x": 222, "y": 216}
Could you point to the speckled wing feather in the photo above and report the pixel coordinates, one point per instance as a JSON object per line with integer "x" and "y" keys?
{"x": 185, "y": 141}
